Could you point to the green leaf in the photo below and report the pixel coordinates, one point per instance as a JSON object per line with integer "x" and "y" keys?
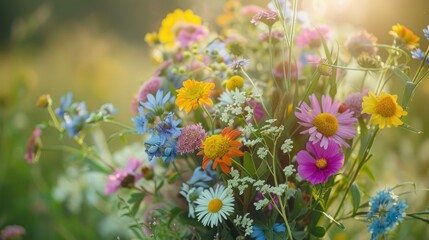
{"x": 318, "y": 231}
{"x": 135, "y": 200}
{"x": 355, "y": 197}
{"x": 249, "y": 165}
{"x": 368, "y": 171}
{"x": 408, "y": 94}
{"x": 401, "y": 75}
{"x": 173, "y": 214}
{"x": 411, "y": 129}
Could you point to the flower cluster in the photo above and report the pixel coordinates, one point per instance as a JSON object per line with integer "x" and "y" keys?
{"x": 256, "y": 138}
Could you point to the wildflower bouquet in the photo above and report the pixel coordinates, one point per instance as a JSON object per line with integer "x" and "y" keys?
{"x": 259, "y": 131}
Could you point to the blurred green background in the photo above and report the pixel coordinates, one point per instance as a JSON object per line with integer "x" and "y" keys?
{"x": 96, "y": 49}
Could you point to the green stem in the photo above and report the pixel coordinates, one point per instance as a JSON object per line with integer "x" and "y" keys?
{"x": 257, "y": 92}
{"x": 211, "y": 118}
{"x": 54, "y": 118}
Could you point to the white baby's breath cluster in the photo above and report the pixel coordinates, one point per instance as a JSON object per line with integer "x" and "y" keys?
{"x": 232, "y": 105}
{"x": 245, "y": 223}
{"x": 287, "y": 146}
{"x": 240, "y": 183}
{"x": 262, "y": 152}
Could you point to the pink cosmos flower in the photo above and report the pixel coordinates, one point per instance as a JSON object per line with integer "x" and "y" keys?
{"x": 269, "y": 17}
{"x": 325, "y": 123}
{"x": 125, "y": 177}
{"x": 190, "y": 34}
{"x": 33, "y": 146}
{"x": 258, "y": 110}
{"x": 190, "y": 138}
{"x": 316, "y": 164}
{"x": 309, "y": 37}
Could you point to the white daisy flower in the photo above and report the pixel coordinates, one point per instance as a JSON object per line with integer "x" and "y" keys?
{"x": 214, "y": 205}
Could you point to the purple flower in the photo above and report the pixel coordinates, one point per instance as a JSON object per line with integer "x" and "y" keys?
{"x": 33, "y": 146}
{"x": 190, "y": 34}
{"x": 362, "y": 43}
{"x": 140, "y": 122}
{"x": 325, "y": 123}
{"x": 12, "y": 232}
{"x": 258, "y": 110}
{"x": 157, "y": 147}
{"x": 269, "y": 17}
{"x": 167, "y": 128}
{"x": 65, "y": 104}
{"x": 316, "y": 164}
{"x": 311, "y": 38}
{"x": 354, "y": 104}
{"x": 125, "y": 177}
{"x": 191, "y": 138}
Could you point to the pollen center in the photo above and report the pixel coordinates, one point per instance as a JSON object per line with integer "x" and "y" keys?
{"x": 216, "y": 146}
{"x": 386, "y": 107}
{"x": 326, "y": 124}
{"x": 321, "y": 163}
{"x": 214, "y": 205}
{"x": 194, "y": 92}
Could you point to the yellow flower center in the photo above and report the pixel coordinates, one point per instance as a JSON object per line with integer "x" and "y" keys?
{"x": 194, "y": 92}
{"x": 321, "y": 163}
{"x": 234, "y": 82}
{"x": 386, "y": 107}
{"x": 216, "y": 146}
{"x": 214, "y": 205}
{"x": 326, "y": 124}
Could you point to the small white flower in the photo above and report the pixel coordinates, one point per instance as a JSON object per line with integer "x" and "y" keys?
{"x": 262, "y": 152}
{"x": 245, "y": 223}
{"x": 287, "y": 146}
{"x": 213, "y": 205}
{"x": 261, "y": 203}
{"x": 289, "y": 170}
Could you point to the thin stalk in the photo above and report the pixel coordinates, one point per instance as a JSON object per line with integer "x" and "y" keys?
{"x": 257, "y": 91}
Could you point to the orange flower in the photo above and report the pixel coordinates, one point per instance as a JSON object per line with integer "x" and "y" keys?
{"x": 192, "y": 94}
{"x": 221, "y": 148}
{"x": 405, "y": 35}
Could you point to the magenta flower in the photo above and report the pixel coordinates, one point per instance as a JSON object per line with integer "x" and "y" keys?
{"x": 311, "y": 38}
{"x": 325, "y": 123}
{"x": 270, "y": 206}
{"x": 33, "y": 146}
{"x": 317, "y": 164}
{"x": 258, "y": 110}
{"x": 125, "y": 177}
{"x": 190, "y": 138}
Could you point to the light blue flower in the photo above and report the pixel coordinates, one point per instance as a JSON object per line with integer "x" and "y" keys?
{"x": 385, "y": 213}
{"x": 419, "y": 55}
{"x": 156, "y": 103}
{"x": 426, "y": 32}
{"x": 201, "y": 177}
{"x": 259, "y": 233}
{"x": 168, "y": 127}
{"x": 191, "y": 195}
{"x": 157, "y": 147}
{"x": 140, "y": 122}
{"x": 65, "y": 104}
{"x": 75, "y": 118}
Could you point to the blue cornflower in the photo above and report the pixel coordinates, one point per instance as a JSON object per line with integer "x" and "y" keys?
{"x": 140, "y": 122}
{"x": 200, "y": 177}
{"x": 156, "y": 103}
{"x": 385, "y": 212}
{"x": 419, "y": 55}
{"x": 75, "y": 119}
{"x": 259, "y": 233}
{"x": 65, "y": 104}
{"x": 168, "y": 127}
{"x": 426, "y": 32}
{"x": 157, "y": 147}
